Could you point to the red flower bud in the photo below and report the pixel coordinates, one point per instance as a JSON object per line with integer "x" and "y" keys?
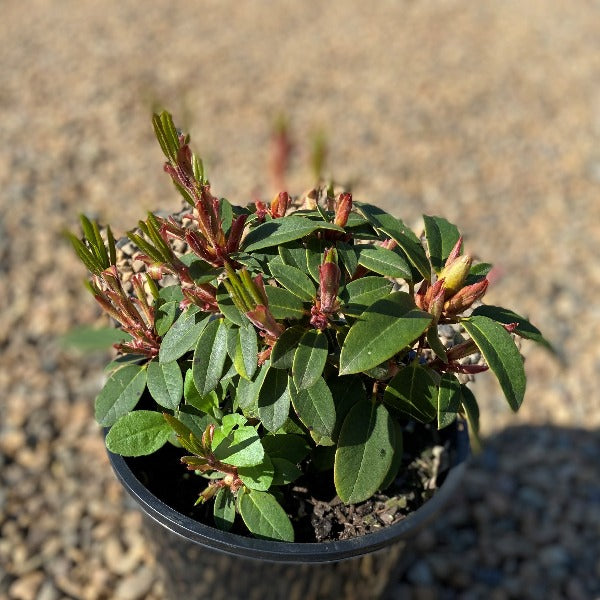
{"x": 279, "y": 205}
{"x": 342, "y": 209}
{"x": 465, "y": 297}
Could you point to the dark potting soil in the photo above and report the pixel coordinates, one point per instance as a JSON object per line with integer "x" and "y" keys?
{"x": 316, "y": 512}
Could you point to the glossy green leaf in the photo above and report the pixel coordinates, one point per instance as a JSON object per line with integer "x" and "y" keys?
{"x": 224, "y": 509}
{"x": 314, "y": 256}
{"x": 413, "y": 391}
{"x": 385, "y": 262}
{"x": 290, "y": 446}
{"x": 436, "y": 344}
{"x": 165, "y": 383}
{"x": 361, "y": 293}
{"x": 264, "y": 516}
{"x": 293, "y": 255}
{"x": 165, "y": 316}
{"x": 120, "y": 394}
{"x": 138, "y": 433}
{"x": 183, "y": 335}
{"x": 449, "y": 400}
{"x": 501, "y": 354}
{"x": 282, "y": 355}
{"x": 240, "y": 447}
{"x": 346, "y": 392}
{"x": 364, "y": 453}
{"x": 396, "y": 458}
{"x": 284, "y": 304}
{"x": 258, "y": 477}
{"x": 247, "y": 392}
{"x": 348, "y": 257}
{"x": 310, "y": 358}
{"x": 294, "y": 280}
{"x": 228, "y": 308}
{"x": 441, "y": 238}
{"x": 285, "y": 472}
{"x": 209, "y": 357}
{"x": 316, "y": 409}
{"x": 245, "y": 357}
{"x": 400, "y": 233}
{"x": 524, "y": 328}
{"x": 171, "y": 293}
{"x": 386, "y": 327}
{"x": 206, "y": 403}
{"x": 274, "y": 399}
{"x": 279, "y": 231}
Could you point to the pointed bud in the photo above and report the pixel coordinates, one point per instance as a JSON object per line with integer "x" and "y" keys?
{"x": 235, "y": 233}
{"x": 420, "y": 296}
{"x": 343, "y": 207}
{"x": 455, "y": 253}
{"x": 436, "y": 304}
{"x": 465, "y": 297}
{"x": 279, "y": 205}
{"x": 261, "y": 210}
{"x": 461, "y": 350}
{"x": 456, "y": 273}
{"x": 329, "y": 281}
{"x": 262, "y": 318}
{"x": 433, "y": 291}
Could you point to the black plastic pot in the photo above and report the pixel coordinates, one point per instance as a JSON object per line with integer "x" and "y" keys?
{"x": 199, "y": 561}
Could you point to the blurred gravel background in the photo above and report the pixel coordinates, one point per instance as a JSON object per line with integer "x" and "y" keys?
{"x": 485, "y": 112}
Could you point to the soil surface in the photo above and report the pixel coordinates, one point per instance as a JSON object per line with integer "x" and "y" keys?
{"x": 485, "y": 112}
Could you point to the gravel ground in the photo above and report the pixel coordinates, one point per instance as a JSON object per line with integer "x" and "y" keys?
{"x": 486, "y": 113}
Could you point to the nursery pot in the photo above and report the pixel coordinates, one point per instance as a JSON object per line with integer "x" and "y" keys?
{"x": 199, "y": 561}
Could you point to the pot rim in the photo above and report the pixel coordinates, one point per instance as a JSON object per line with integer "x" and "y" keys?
{"x": 294, "y": 552}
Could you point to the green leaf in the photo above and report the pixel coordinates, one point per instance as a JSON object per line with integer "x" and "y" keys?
{"x": 524, "y": 328}
{"x": 193, "y": 397}
{"x": 224, "y": 509}
{"x": 264, "y": 517}
{"x": 290, "y": 446}
{"x": 183, "y": 335}
{"x": 310, "y": 358}
{"x": 199, "y": 270}
{"x": 209, "y": 357}
{"x": 316, "y": 409}
{"x": 314, "y": 256}
{"x": 285, "y": 471}
{"x": 240, "y": 448}
{"x": 91, "y": 339}
{"x": 247, "y": 391}
{"x": 165, "y": 316}
{"x": 294, "y": 280}
{"x": 400, "y": 233}
{"x": 284, "y": 304}
{"x": 258, "y": 477}
{"x": 386, "y": 327}
{"x": 348, "y": 257}
{"x": 361, "y": 293}
{"x": 246, "y": 351}
{"x": 274, "y": 399}
{"x": 413, "y": 391}
{"x": 441, "y": 238}
{"x": 228, "y": 307}
{"x": 280, "y": 231}
{"x": 501, "y": 354}
{"x": 165, "y": 383}
{"x": 364, "y": 453}
{"x": 282, "y": 355}
{"x": 171, "y": 293}
{"x": 293, "y": 255}
{"x": 346, "y": 392}
{"x": 120, "y": 394}
{"x": 385, "y": 262}
{"x": 138, "y": 433}
{"x": 436, "y": 344}
{"x": 449, "y": 398}
{"x": 396, "y": 458}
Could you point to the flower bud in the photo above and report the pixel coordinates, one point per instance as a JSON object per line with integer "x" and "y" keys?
{"x": 456, "y": 273}
{"x": 329, "y": 281}
{"x": 342, "y": 209}
{"x": 279, "y": 205}
{"x": 262, "y": 318}
{"x": 436, "y": 304}
{"x": 465, "y": 297}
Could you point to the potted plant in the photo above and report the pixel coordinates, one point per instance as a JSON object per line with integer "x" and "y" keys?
{"x": 279, "y": 362}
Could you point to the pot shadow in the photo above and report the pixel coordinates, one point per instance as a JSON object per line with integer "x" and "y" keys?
{"x": 525, "y": 524}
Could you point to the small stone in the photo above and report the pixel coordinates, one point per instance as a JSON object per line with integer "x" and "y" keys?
{"x": 26, "y": 587}
{"x": 135, "y": 586}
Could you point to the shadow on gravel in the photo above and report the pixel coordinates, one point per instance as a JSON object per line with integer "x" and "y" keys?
{"x": 526, "y": 524}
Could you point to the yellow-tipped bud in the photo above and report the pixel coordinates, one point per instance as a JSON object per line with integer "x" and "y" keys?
{"x": 455, "y": 274}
